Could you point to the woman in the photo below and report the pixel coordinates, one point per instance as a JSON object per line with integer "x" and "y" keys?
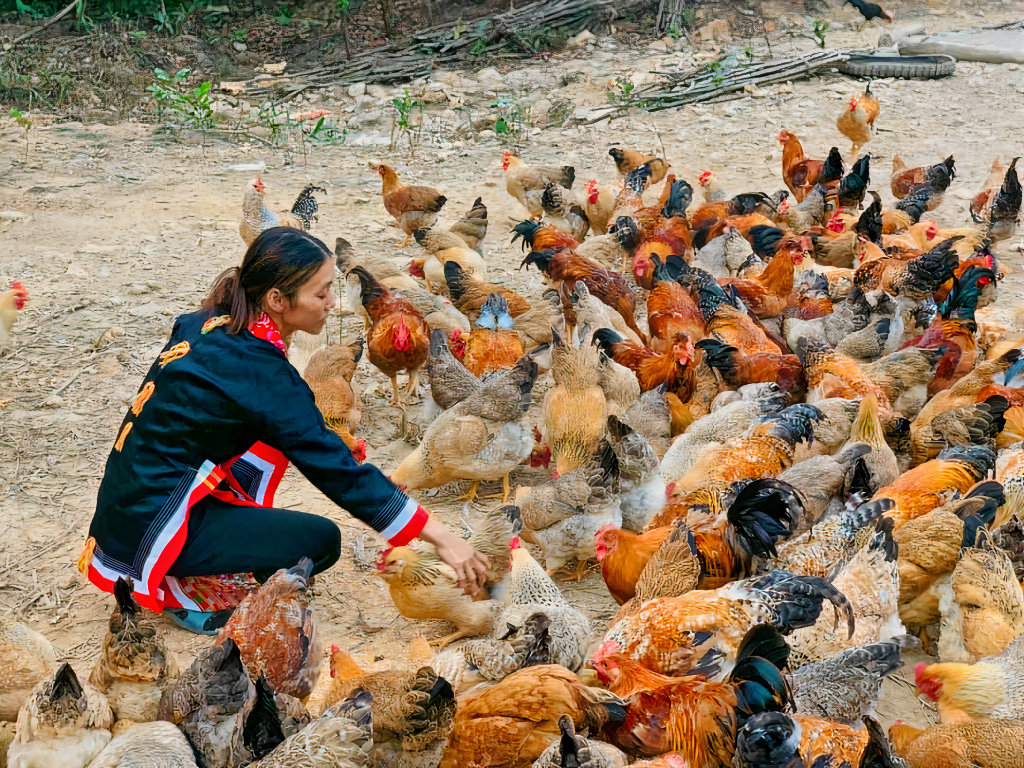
{"x": 185, "y": 508}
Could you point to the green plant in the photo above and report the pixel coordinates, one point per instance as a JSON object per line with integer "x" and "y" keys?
{"x": 818, "y": 30}
{"x": 192, "y": 105}
{"x": 240, "y": 35}
{"x": 326, "y": 132}
{"x": 137, "y": 34}
{"x": 282, "y": 16}
{"x": 478, "y": 48}
{"x": 514, "y": 120}
{"x": 621, "y": 94}
{"x": 25, "y": 123}
{"x": 459, "y": 28}
{"x": 674, "y": 31}
{"x": 403, "y": 122}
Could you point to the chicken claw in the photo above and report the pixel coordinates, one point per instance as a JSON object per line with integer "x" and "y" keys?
{"x": 471, "y": 494}
{"x": 449, "y": 639}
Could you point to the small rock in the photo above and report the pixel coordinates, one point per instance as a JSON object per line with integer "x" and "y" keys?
{"x": 357, "y": 90}
{"x": 717, "y": 31}
{"x": 582, "y": 38}
{"x": 486, "y": 135}
{"x": 14, "y": 216}
{"x": 658, "y": 45}
{"x": 77, "y": 270}
{"x": 490, "y": 78}
{"x": 55, "y": 401}
{"x": 258, "y": 167}
{"x": 240, "y": 47}
{"x": 1013, "y": 67}
{"x": 149, "y": 309}
{"x": 378, "y": 91}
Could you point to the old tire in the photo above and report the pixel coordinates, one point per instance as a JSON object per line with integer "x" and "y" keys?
{"x": 899, "y": 66}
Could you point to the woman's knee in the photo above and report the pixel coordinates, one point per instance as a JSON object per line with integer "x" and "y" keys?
{"x": 328, "y": 550}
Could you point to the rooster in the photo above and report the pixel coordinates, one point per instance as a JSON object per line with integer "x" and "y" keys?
{"x": 670, "y": 310}
{"x": 493, "y": 344}
{"x": 767, "y": 293}
{"x": 857, "y": 121}
{"x": 798, "y": 171}
{"x": 737, "y": 369}
{"x": 627, "y": 160}
{"x": 723, "y": 320}
{"x": 673, "y": 368}
{"x": 561, "y": 210}
{"x": 871, "y": 11}
{"x": 256, "y": 217}
{"x": 1002, "y": 210}
{"x": 413, "y": 207}
{"x": 12, "y": 302}
{"x": 598, "y": 204}
{"x": 938, "y": 176}
{"x": 527, "y": 183}
{"x": 399, "y": 339}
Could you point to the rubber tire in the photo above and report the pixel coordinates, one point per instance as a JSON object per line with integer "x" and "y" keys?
{"x": 899, "y": 66}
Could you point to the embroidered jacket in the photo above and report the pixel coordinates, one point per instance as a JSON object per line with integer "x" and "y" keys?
{"x": 222, "y": 415}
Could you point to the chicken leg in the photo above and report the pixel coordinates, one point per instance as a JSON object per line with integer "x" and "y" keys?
{"x": 449, "y": 639}
{"x": 396, "y": 400}
{"x": 414, "y": 383}
{"x": 471, "y": 494}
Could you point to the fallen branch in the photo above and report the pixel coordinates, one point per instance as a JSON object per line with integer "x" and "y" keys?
{"x": 56, "y": 18}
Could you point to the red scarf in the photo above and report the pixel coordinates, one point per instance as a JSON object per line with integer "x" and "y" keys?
{"x": 266, "y": 329}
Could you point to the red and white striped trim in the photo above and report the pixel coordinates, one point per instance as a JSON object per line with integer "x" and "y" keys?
{"x": 407, "y": 525}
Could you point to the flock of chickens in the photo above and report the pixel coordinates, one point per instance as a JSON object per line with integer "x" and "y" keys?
{"x": 785, "y": 425}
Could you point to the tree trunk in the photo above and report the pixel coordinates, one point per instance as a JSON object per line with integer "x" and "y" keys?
{"x": 387, "y": 11}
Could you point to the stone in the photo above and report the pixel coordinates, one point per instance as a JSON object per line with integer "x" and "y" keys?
{"x": 357, "y": 90}
{"x": 658, "y": 45}
{"x": 149, "y": 309}
{"x": 490, "y": 78}
{"x": 539, "y": 112}
{"x": 717, "y": 31}
{"x": 584, "y": 37}
{"x": 14, "y": 216}
{"x": 486, "y": 135}
{"x": 240, "y": 47}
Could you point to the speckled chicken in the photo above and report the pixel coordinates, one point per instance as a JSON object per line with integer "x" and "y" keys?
{"x": 579, "y": 751}
{"x": 450, "y": 381}
{"x": 134, "y": 666}
{"x": 275, "y": 630}
{"x": 956, "y": 745}
{"x": 256, "y": 217}
{"x": 147, "y": 745}
{"x": 329, "y": 374}
{"x": 63, "y": 724}
{"x": 26, "y": 658}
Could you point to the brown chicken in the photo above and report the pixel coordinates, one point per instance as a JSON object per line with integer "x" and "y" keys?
{"x": 992, "y": 688}
{"x": 275, "y": 631}
{"x": 493, "y": 343}
{"x": 399, "y": 338}
{"x": 598, "y": 203}
{"x": 511, "y": 723}
{"x": 766, "y": 294}
{"x": 623, "y": 555}
{"x": 916, "y": 279}
{"x": 689, "y": 715}
{"x": 670, "y": 311}
{"x": 627, "y": 160}
{"x": 670, "y": 634}
{"x": 329, "y": 374}
{"x": 610, "y": 287}
{"x": 472, "y": 227}
{"x": 981, "y": 742}
{"x": 857, "y": 120}
{"x": 538, "y": 237}
{"x": 723, "y": 321}
{"x": 675, "y": 368}
{"x": 833, "y": 374}
{"x": 469, "y": 293}
{"x": 444, "y": 248}
{"x": 135, "y": 665}
{"x": 738, "y": 369}
{"x": 989, "y": 188}
{"x": 798, "y": 171}
{"x": 664, "y": 230}
{"x": 412, "y": 207}
{"x": 925, "y": 487}
{"x": 903, "y": 179}
{"x": 778, "y": 739}
{"x": 526, "y": 183}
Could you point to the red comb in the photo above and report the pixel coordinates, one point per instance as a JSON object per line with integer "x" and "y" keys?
{"x": 514, "y": 544}
{"x": 335, "y": 649}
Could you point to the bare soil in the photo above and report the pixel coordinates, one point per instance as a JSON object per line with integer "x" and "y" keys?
{"x": 127, "y": 226}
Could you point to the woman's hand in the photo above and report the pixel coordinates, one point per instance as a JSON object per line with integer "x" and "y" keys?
{"x": 469, "y": 565}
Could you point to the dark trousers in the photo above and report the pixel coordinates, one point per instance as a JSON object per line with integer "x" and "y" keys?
{"x": 224, "y": 538}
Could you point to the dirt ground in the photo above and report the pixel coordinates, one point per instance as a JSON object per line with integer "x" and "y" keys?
{"x": 125, "y": 227}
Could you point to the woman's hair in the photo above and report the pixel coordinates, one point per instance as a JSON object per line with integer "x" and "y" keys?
{"x": 281, "y": 257}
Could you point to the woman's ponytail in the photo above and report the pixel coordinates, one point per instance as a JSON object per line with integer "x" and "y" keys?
{"x": 282, "y": 258}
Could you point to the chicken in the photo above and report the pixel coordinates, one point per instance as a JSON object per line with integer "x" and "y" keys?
{"x": 1002, "y": 211}
{"x": 469, "y": 293}
{"x": 340, "y": 738}
{"x": 539, "y": 237}
{"x": 62, "y": 724}
{"x": 621, "y": 389}
{"x": 26, "y": 658}
{"x": 135, "y": 666}
{"x": 723, "y": 255}
{"x": 627, "y": 160}
{"x": 992, "y": 183}
{"x": 535, "y": 326}
{"x": 512, "y": 723}
{"x": 669, "y": 635}
{"x": 422, "y": 586}
{"x": 12, "y": 302}
{"x": 857, "y": 120}
{"x": 664, "y": 231}
{"x": 275, "y": 632}
{"x": 690, "y": 716}
{"x": 737, "y": 369}
{"x": 615, "y": 248}
{"x": 673, "y": 368}
{"x": 579, "y": 751}
{"x": 845, "y": 687}
{"x": 589, "y": 310}
{"x": 798, "y": 171}
{"x": 640, "y": 484}
{"x": 597, "y": 204}
{"x": 472, "y": 227}
{"x": 329, "y": 374}
{"x": 725, "y": 322}
{"x": 526, "y": 183}
{"x": 879, "y": 468}
{"x": 950, "y": 407}
{"x": 563, "y": 211}
{"x": 992, "y": 688}
{"x": 801, "y": 217}
{"x": 832, "y": 374}
{"x": 450, "y": 382}
{"x": 904, "y": 377}
{"x": 871, "y": 11}
{"x": 399, "y": 338}
{"x": 484, "y": 437}
{"x": 257, "y": 218}
{"x": 916, "y": 279}
{"x": 412, "y": 207}
{"x": 607, "y": 286}
{"x": 711, "y": 188}
{"x": 938, "y": 176}
{"x": 206, "y": 701}
{"x": 960, "y": 744}
{"x": 929, "y": 485}
{"x": 446, "y": 248}
{"x": 147, "y": 744}
{"x": 493, "y": 344}
{"x": 624, "y": 555}
{"x": 766, "y": 294}
{"x": 820, "y": 480}
{"x": 779, "y": 740}
{"x": 989, "y": 604}
{"x": 565, "y": 530}
{"x": 718, "y": 427}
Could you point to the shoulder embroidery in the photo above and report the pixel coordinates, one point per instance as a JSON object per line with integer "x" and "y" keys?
{"x": 176, "y": 352}
{"x": 214, "y": 322}
{"x": 143, "y": 397}
{"x": 124, "y": 434}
